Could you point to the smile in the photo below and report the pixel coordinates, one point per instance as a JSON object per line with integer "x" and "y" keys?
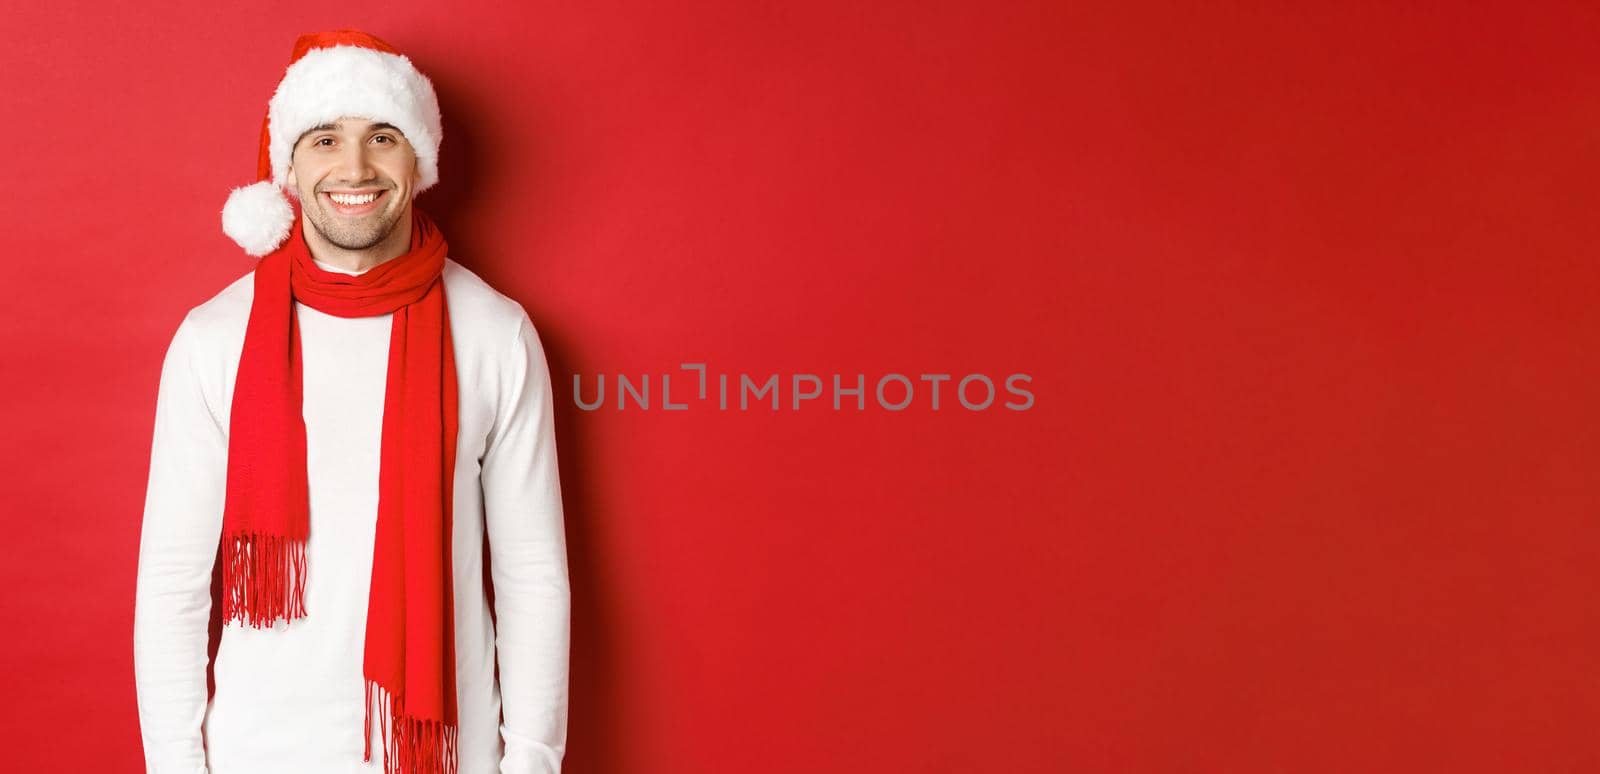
{"x": 353, "y": 203}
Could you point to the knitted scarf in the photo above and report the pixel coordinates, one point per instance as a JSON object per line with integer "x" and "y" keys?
{"x": 409, "y": 662}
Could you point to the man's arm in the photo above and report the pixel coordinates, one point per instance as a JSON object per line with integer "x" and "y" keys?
{"x": 177, "y": 548}
{"x": 528, "y": 558}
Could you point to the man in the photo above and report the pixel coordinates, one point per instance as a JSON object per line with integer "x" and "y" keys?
{"x": 341, "y": 429}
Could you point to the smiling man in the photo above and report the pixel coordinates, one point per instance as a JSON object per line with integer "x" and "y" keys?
{"x": 357, "y": 200}
{"x": 340, "y": 434}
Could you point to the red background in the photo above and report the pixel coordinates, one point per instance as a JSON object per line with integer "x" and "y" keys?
{"x": 1308, "y": 300}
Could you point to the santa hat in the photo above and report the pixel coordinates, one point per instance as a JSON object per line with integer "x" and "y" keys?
{"x": 330, "y": 75}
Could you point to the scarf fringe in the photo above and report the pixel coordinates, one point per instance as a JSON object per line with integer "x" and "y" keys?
{"x": 263, "y": 578}
{"x": 410, "y": 745}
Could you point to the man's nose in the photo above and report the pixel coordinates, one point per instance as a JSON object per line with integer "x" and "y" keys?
{"x": 355, "y": 164}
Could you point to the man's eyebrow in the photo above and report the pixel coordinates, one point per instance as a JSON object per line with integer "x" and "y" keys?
{"x": 331, "y": 127}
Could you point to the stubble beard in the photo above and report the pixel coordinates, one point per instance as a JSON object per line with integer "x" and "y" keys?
{"x": 352, "y": 233}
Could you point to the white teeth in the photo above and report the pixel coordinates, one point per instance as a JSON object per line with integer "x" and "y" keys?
{"x": 348, "y": 199}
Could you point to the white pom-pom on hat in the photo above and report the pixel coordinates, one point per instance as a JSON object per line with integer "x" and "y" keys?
{"x": 331, "y": 75}
{"x": 257, "y": 217}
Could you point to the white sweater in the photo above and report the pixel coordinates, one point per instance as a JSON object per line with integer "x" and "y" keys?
{"x": 290, "y": 698}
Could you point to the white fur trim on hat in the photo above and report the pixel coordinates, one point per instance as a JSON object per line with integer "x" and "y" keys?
{"x": 328, "y": 83}
{"x": 257, "y": 217}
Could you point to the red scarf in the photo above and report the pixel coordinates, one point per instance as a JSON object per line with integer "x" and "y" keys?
{"x": 410, "y": 639}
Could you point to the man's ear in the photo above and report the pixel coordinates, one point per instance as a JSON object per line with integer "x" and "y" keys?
{"x": 289, "y": 180}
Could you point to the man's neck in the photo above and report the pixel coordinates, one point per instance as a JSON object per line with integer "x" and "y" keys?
{"x": 393, "y": 246}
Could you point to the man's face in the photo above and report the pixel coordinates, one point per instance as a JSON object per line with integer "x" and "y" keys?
{"x": 370, "y": 166}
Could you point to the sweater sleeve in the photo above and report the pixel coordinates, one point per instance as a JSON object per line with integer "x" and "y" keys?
{"x": 528, "y": 559}
{"x": 177, "y": 548}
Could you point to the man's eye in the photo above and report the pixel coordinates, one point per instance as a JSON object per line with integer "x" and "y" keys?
{"x": 384, "y": 137}
{"x": 320, "y": 140}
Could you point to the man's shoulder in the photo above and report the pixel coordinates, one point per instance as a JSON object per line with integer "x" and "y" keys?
{"x": 477, "y": 306}
{"x": 223, "y": 316}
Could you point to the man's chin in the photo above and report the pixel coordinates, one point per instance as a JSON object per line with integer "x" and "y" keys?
{"x": 346, "y": 240}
